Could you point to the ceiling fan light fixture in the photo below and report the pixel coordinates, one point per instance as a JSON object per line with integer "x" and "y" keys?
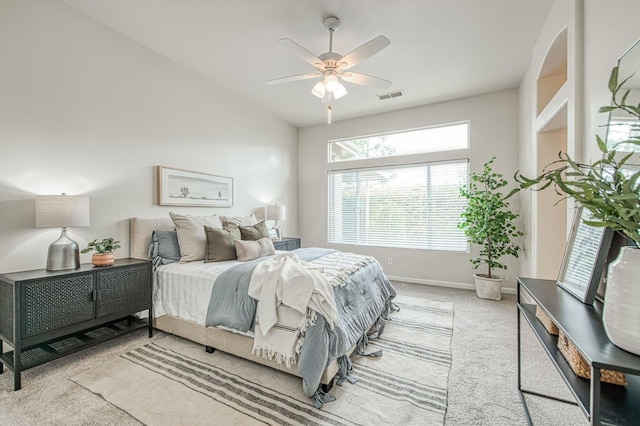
{"x": 331, "y": 82}
{"x": 319, "y": 89}
{"x": 330, "y": 66}
{"x": 339, "y": 92}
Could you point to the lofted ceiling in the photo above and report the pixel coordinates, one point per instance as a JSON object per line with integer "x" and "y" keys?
{"x": 440, "y": 49}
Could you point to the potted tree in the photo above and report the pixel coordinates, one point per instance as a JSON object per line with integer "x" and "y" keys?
{"x": 488, "y": 221}
{"x": 104, "y": 249}
{"x": 610, "y": 190}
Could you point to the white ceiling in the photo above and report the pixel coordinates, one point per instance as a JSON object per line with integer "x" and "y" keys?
{"x": 440, "y": 49}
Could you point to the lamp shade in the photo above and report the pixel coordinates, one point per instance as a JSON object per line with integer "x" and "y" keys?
{"x": 331, "y": 83}
{"x": 340, "y": 91}
{"x": 319, "y": 89}
{"x": 54, "y": 211}
{"x": 276, "y": 212}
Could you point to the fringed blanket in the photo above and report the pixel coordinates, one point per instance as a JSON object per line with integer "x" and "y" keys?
{"x": 290, "y": 294}
{"x": 339, "y": 266}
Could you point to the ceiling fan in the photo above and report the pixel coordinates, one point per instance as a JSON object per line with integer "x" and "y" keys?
{"x": 333, "y": 67}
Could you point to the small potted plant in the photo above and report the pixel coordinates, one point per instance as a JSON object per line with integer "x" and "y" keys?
{"x": 488, "y": 221}
{"x": 104, "y": 249}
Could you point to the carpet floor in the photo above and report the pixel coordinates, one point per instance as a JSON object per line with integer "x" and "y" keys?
{"x": 174, "y": 381}
{"x": 481, "y": 382}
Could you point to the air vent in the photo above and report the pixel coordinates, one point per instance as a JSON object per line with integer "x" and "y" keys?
{"x": 391, "y": 95}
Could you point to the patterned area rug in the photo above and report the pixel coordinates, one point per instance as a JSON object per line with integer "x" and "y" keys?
{"x": 173, "y": 381}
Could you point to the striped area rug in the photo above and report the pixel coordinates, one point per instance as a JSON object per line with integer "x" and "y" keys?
{"x": 175, "y": 382}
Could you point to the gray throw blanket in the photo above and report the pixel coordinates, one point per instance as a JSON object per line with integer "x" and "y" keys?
{"x": 365, "y": 297}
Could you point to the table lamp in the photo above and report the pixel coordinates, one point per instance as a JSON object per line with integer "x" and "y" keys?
{"x": 276, "y": 212}
{"x": 54, "y": 211}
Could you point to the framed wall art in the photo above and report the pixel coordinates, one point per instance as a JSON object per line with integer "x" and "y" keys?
{"x": 177, "y": 187}
{"x": 584, "y": 258}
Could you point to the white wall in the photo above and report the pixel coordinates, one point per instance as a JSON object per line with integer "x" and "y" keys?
{"x": 610, "y": 28}
{"x": 86, "y": 111}
{"x": 526, "y": 167}
{"x": 494, "y": 132}
{"x": 544, "y": 241}
{"x": 602, "y": 32}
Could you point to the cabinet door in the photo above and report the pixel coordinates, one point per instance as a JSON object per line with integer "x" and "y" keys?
{"x": 52, "y": 304}
{"x": 293, "y": 244}
{"x": 121, "y": 289}
{"x": 288, "y": 245}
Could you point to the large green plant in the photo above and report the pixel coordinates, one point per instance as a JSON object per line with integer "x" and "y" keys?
{"x": 488, "y": 221}
{"x": 608, "y": 188}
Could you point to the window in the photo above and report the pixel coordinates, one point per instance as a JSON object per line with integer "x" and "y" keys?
{"x": 413, "y": 206}
{"x": 621, "y": 129}
{"x": 430, "y": 139}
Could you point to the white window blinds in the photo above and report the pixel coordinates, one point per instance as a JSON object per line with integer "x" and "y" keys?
{"x": 413, "y": 206}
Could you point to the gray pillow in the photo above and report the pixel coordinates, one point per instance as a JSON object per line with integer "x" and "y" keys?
{"x": 164, "y": 247}
{"x": 254, "y": 232}
{"x": 220, "y": 244}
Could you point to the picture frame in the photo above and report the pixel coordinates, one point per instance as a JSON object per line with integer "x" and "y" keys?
{"x": 584, "y": 258}
{"x": 179, "y": 187}
{"x": 273, "y": 234}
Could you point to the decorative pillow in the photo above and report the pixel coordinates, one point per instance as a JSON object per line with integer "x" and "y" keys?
{"x": 191, "y": 236}
{"x": 249, "y": 250}
{"x": 220, "y": 244}
{"x": 233, "y": 222}
{"x": 254, "y": 232}
{"x": 164, "y": 247}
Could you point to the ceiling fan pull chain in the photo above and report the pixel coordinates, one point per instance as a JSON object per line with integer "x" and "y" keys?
{"x": 328, "y": 114}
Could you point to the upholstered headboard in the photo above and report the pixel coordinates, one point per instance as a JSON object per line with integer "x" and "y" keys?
{"x": 140, "y": 230}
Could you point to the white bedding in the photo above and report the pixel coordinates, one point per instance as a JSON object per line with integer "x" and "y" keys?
{"x": 183, "y": 290}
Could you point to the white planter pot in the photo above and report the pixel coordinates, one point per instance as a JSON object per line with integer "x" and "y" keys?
{"x": 621, "y": 314}
{"x": 488, "y": 288}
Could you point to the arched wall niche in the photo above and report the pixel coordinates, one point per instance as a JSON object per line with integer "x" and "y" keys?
{"x": 552, "y": 124}
{"x": 553, "y": 72}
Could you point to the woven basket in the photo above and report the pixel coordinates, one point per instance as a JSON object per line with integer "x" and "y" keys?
{"x": 546, "y": 321}
{"x": 582, "y": 368}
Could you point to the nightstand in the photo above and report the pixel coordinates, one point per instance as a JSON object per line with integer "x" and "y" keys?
{"x": 287, "y": 243}
{"x": 45, "y": 315}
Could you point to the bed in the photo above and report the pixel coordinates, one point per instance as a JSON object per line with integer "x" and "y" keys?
{"x": 183, "y": 291}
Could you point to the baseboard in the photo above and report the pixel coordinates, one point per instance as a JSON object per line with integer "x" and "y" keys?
{"x": 449, "y": 284}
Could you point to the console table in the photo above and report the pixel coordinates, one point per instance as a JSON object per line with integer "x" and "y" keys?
{"x": 45, "y": 315}
{"x": 602, "y": 403}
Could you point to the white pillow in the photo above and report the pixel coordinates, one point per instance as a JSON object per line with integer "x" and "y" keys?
{"x": 249, "y": 250}
{"x": 191, "y": 236}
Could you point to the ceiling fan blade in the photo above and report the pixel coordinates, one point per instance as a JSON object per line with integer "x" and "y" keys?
{"x": 300, "y": 51}
{"x": 365, "y": 80}
{"x": 365, "y": 51}
{"x": 293, "y": 78}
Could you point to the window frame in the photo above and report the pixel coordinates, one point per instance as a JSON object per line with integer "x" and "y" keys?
{"x": 396, "y": 132}
{"x": 387, "y": 167}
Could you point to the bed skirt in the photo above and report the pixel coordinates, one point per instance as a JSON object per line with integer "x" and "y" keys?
{"x": 232, "y": 343}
